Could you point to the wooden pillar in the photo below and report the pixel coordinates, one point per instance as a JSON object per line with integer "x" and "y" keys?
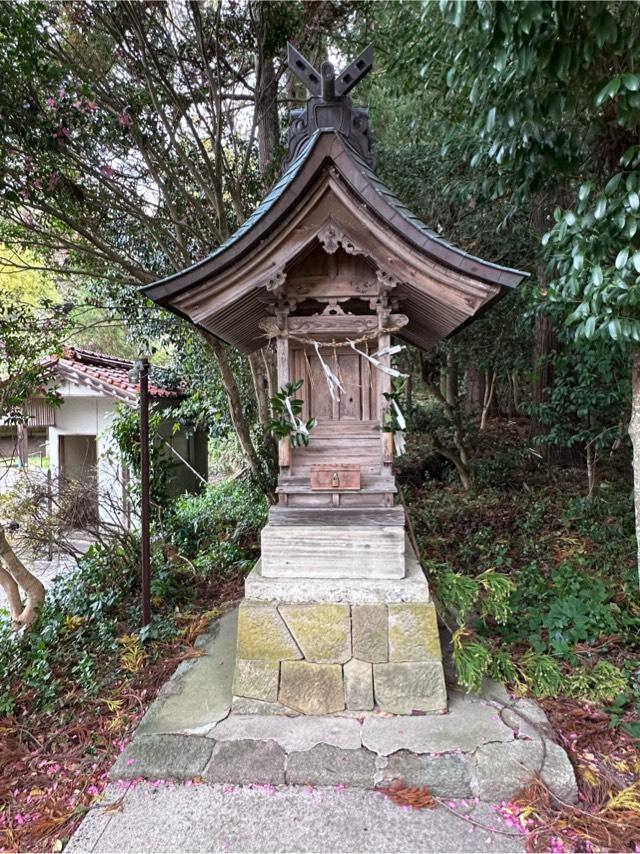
{"x": 384, "y": 380}
{"x": 282, "y": 359}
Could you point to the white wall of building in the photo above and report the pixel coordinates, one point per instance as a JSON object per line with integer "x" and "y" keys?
{"x": 85, "y": 413}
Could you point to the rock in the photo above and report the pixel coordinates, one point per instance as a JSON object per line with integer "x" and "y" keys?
{"x": 558, "y": 774}
{"x": 447, "y": 776}
{"x": 325, "y": 765}
{"x": 369, "y": 631}
{"x": 257, "y": 679}
{"x": 495, "y": 691}
{"x": 313, "y": 689}
{"x": 245, "y": 762}
{"x": 358, "y": 685}
{"x": 262, "y": 633}
{"x": 405, "y": 687}
{"x": 502, "y": 770}
{"x": 322, "y": 631}
{"x": 413, "y": 633}
{"x": 530, "y": 712}
{"x": 292, "y": 734}
{"x": 174, "y": 757}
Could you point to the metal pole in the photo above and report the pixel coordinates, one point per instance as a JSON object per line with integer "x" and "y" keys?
{"x": 144, "y": 489}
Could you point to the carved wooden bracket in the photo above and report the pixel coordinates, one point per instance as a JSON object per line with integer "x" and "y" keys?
{"x": 386, "y": 281}
{"x": 275, "y": 282}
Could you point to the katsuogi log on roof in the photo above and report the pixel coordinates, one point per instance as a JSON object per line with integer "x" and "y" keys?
{"x": 330, "y": 199}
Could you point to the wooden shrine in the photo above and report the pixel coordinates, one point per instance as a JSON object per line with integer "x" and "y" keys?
{"x": 331, "y": 270}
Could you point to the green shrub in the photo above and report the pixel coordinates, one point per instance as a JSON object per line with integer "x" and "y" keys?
{"x": 553, "y": 612}
{"x": 218, "y": 529}
{"x": 75, "y": 631}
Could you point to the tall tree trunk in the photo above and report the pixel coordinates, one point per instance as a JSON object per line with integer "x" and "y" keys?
{"x": 451, "y": 382}
{"x": 408, "y": 394}
{"x": 474, "y": 390}
{"x": 261, "y": 385}
{"x": 462, "y": 467}
{"x": 271, "y": 366}
{"x": 515, "y": 390}
{"x": 260, "y": 378}
{"x": 634, "y": 435}
{"x": 232, "y": 391}
{"x": 489, "y": 392}
{"x": 266, "y": 90}
{"x": 459, "y": 454}
{"x": 592, "y": 459}
{"x": 15, "y": 576}
{"x": 545, "y": 341}
{"x": 23, "y": 444}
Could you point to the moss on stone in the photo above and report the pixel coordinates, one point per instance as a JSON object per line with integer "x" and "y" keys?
{"x": 322, "y": 631}
{"x": 262, "y": 634}
{"x": 413, "y": 632}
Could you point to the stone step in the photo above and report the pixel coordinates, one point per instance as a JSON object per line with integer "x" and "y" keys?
{"x": 472, "y": 752}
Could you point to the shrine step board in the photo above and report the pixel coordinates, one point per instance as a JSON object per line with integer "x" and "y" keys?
{"x": 380, "y": 517}
{"x": 333, "y": 551}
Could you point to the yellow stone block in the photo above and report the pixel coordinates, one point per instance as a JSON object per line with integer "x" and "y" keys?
{"x": 262, "y": 634}
{"x": 322, "y": 631}
{"x": 413, "y": 632}
{"x": 312, "y": 689}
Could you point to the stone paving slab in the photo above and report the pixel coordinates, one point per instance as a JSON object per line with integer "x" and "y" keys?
{"x": 464, "y": 728}
{"x": 293, "y": 734}
{"x": 325, "y": 765}
{"x": 246, "y": 761}
{"x": 199, "y": 692}
{"x": 204, "y": 818}
{"x": 176, "y": 757}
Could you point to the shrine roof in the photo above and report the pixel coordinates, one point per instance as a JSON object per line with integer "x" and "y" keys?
{"x": 330, "y": 199}
{"x": 403, "y": 221}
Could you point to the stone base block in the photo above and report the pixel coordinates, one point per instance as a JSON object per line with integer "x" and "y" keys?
{"x": 322, "y": 658}
{"x": 333, "y": 551}
{"x": 412, "y": 587}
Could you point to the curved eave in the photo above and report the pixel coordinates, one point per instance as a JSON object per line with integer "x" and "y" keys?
{"x": 330, "y": 150}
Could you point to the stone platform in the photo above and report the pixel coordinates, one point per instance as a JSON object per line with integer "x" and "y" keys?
{"x": 318, "y": 646}
{"x": 487, "y": 746}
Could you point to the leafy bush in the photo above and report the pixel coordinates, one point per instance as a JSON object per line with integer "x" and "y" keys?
{"x": 218, "y": 529}
{"x": 76, "y": 631}
{"x": 554, "y": 612}
{"x": 537, "y": 585}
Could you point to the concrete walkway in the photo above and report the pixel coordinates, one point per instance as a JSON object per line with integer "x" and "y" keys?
{"x": 179, "y": 818}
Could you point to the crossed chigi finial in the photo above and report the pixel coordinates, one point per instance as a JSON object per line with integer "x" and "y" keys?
{"x": 325, "y": 84}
